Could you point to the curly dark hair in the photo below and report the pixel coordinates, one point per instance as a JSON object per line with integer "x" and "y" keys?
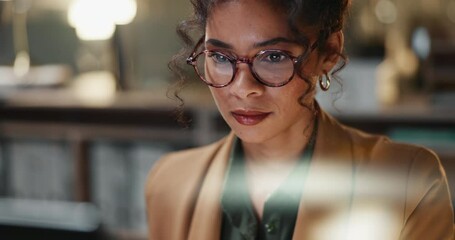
{"x": 327, "y": 16}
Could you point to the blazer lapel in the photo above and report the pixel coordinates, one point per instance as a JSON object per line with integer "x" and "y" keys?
{"x": 206, "y": 220}
{"x": 326, "y": 194}
{"x": 328, "y": 187}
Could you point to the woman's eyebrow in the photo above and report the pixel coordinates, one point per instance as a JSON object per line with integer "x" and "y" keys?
{"x": 273, "y": 41}
{"x": 270, "y": 42}
{"x": 218, "y": 43}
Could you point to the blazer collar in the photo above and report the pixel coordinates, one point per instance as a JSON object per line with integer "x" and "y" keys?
{"x": 329, "y": 185}
{"x": 332, "y": 162}
{"x": 206, "y": 221}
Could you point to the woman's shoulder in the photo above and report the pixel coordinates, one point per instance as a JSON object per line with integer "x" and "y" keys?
{"x": 379, "y": 151}
{"x": 380, "y": 148}
{"x": 372, "y": 149}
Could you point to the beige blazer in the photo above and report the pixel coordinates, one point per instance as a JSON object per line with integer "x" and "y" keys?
{"x": 359, "y": 186}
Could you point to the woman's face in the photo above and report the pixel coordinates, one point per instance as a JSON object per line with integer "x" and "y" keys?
{"x": 255, "y": 112}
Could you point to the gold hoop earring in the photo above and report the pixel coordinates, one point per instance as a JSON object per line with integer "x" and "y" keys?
{"x": 325, "y": 85}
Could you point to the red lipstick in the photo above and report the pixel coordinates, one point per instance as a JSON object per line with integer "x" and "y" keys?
{"x": 249, "y": 118}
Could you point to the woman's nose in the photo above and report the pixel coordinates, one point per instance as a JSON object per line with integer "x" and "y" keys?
{"x": 244, "y": 84}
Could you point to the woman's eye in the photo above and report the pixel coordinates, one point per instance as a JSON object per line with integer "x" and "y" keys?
{"x": 275, "y": 57}
{"x": 218, "y": 58}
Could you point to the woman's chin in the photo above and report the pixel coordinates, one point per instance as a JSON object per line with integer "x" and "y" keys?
{"x": 251, "y": 135}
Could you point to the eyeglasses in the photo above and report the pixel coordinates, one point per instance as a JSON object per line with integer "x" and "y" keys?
{"x": 273, "y": 68}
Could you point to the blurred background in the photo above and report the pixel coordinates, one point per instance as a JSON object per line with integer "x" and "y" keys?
{"x": 84, "y": 112}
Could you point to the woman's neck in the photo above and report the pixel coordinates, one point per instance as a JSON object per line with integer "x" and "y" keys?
{"x": 268, "y": 164}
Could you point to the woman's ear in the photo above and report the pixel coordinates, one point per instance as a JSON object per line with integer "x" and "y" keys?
{"x": 331, "y": 51}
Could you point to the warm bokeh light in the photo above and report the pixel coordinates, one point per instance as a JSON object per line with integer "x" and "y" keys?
{"x": 124, "y": 11}
{"x": 386, "y": 11}
{"x": 372, "y": 219}
{"x": 22, "y": 64}
{"x": 363, "y": 221}
{"x": 406, "y": 62}
{"x": 95, "y": 88}
{"x": 96, "y": 19}
{"x": 91, "y": 19}
{"x": 98, "y": 30}
{"x": 387, "y": 85}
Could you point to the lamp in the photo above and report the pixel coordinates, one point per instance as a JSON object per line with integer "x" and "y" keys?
{"x": 96, "y": 19}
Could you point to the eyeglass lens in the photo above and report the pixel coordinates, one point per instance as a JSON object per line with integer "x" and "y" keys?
{"x": 272, "y": 67}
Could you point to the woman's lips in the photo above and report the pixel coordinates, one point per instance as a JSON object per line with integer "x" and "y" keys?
{"x": 249, "y": 118}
